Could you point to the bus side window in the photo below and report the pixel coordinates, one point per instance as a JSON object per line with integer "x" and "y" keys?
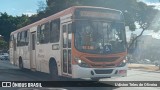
{"x": 18, "y": 39}
{"x": 26, "y": 37}
{"x": 22, "y": 41}
{"x": 38, "y": 34}
{"x": 69, "y": 35}
{"x": 14, "y": 43}
{"x": 47, "y": 32}
{"x": 55, "y": 31}
{"x": 64, "y": 36}
{"x": 43, "y": 36}
{"x": 22, "y": 38}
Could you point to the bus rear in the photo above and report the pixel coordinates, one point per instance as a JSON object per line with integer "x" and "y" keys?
{"x": 99, "y": 43}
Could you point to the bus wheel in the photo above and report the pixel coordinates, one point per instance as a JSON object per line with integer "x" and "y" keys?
{"x": 95, "y": 79}
{"x": 20, "y": 64}
{"x": 53, "y": 71}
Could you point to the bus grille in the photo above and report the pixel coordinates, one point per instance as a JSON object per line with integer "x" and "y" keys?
{"x": 106, "y": 65}
{"x": 108, "y": 59}
{"x": 103, "y": 71}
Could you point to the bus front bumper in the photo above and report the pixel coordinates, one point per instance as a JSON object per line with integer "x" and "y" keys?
{"x": 81, "y": 72}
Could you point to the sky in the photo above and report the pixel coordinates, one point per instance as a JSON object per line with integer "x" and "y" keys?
{"x": 29, "y": 7}
{"x": 19, "y": 7}
{"x": 156, "y": 3}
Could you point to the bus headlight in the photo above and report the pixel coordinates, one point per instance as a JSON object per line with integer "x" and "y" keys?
{"x": 81, "y": 63}
{"x": 123, "y": 63}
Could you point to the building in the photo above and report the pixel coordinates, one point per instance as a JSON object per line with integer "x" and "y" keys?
{"x": 147, "y": 47}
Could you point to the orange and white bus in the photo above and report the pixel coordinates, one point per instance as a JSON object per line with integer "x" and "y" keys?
{"x": 79, "y": 42}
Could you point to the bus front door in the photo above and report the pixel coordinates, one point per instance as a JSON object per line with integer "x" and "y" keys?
{"x": 14, "y": 52}
{"x": 33, "y": 51}
{"x": 66, "y": 51}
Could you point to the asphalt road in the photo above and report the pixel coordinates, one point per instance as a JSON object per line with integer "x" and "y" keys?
{"x": 9, "y": 72}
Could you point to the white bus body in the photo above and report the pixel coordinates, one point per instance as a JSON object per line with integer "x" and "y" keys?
{"x": 31, "y": 48}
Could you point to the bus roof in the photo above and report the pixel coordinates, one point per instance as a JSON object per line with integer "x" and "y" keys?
{"x": 57, "y": 15}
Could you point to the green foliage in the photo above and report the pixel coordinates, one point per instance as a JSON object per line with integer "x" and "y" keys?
{"x": 145, "y": 15}
{"x": 53, "y": 6}
{"x": 9, "y": 23}
{"x": 3, "y": 45}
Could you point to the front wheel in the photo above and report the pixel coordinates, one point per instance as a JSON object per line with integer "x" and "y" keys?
{"x": 97, "y": 79}
{"x": 54, "y": 72}
{"x": 21, "y": 64}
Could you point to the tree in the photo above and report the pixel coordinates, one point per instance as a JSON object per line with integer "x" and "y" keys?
{"x": 6, "y": 25}
{"x": 144, "y": 17}
{"x": 3, "y": 45}
{"x": 22, "y": 21}
{"x": 9, "y": 23}
{"x": 58, "y": 5}
{"x": 42, "y": 6}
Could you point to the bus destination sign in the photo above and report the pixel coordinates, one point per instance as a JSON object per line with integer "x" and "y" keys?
{"x": 98, "y": 14}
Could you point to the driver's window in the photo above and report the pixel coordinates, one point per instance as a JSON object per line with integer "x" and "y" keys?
{"x": 114, "y": 34}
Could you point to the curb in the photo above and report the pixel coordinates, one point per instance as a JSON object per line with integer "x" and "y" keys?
{"x": 155, "y": 71}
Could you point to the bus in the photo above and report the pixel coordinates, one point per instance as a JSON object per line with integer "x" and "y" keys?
{"x": 78, "y": 42}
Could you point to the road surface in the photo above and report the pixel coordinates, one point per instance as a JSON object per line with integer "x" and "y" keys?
{"x": 9, "y": 72}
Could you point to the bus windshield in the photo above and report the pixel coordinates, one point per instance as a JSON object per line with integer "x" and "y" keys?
{"x": 100, "y": 37}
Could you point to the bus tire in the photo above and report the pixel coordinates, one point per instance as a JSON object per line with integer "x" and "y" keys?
{"x": 95, "y": 79}
{"x": 53, "y": 71}
{"x": 20, "y": 64}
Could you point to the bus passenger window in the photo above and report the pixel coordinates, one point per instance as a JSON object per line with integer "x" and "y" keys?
{"x": 18, "y": 39}
{"x": 44, "y": 33}
{"x": 33, "y": 41}
{"x": 64, "y": 36}
{"x": 26, "y": 37}
{"x": 55, "y": 31}
{"x": 38, "y": 34}
{"x": 69, "y": 35}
